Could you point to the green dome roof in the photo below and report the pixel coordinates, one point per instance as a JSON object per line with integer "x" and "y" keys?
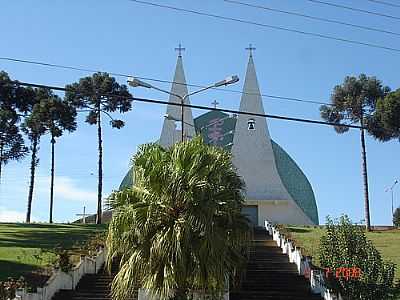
{"x": 217, "y": 128}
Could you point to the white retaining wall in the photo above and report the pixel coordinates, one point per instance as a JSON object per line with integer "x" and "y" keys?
{"x": 67, "y": 281}
{"x": 303, "y": 263}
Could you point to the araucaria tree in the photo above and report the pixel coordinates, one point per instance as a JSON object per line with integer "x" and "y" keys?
{"x": 345, "y": 246}
{"x": 179, "y": 229}
{"x": 11, "y": 142}
{"x": 34, "y": 126}
{"x": 354, "y": 101}
{"x": 385, "y": 123}
{"x": 57, "y": 116}
{"x": 99, "y": 94}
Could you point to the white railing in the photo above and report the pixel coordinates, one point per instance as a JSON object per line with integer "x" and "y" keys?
{"x": 303, "y": 263}
{"x": 65, "y": 281}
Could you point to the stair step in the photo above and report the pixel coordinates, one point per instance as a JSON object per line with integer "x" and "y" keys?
{"x": 270, "y": 275}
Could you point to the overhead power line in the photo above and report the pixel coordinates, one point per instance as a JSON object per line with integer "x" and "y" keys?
{"x": 355, "y": 9}
{"x": 384, "y": 3}
{"x": 292, "y": 13}
{"x": 323, "y": 36}
{"x": 58, "y": 66}
{"x": 201, "y": 107}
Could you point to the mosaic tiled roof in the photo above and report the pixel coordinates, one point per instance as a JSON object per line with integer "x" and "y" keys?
{"x": 217, "y": 128}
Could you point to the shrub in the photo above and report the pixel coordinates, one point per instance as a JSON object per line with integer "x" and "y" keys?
{"x": 396, "y": 217}
{"x": 346, "y": 246}
{"x": 63, "y": 260}
{"x": 9, "y": 287}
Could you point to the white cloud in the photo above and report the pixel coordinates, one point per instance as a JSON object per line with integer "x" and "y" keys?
{"x": 66, "y": 188}
{"x": 10, "y": 216}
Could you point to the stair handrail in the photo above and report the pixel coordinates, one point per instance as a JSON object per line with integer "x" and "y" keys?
{"x": 304, "y": 264}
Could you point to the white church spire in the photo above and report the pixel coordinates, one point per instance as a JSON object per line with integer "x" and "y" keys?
{"x": 169, "y": 134}
{"x": 252, "y": 149}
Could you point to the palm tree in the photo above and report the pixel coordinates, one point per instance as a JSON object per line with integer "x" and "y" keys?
{"x": 99, "y": 95}
{"x": 355, "y": 101}
{"x": 179, "y": 228}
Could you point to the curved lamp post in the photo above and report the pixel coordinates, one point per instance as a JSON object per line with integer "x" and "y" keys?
{"x": 135, "y": 82}
{"x": 391, "y": 190}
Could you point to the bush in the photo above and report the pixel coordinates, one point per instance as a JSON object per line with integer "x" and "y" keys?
{"x": 8, "y": 288}
{"x": 63, "y": 260}
{"x": 346, "y": 246}
{"x": 396, "y": 217}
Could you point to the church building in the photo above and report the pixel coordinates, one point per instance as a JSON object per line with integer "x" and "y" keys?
{"x": 276, "y": 187}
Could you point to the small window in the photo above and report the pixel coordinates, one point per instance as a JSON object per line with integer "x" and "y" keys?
{"x": 251, "y": 124}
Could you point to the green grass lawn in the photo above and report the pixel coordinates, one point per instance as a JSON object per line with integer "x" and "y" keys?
{"x": 387, "y": 242}
{"x": 23, "y": 247}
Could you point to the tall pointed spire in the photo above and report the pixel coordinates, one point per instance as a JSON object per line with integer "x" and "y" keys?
{"x": 252, "y": 149}
{"x": 254, "y": 157}
{"x": 169, "y": 134}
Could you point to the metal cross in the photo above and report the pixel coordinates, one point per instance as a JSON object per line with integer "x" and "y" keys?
{"x": 251, "y": 48}
{"x": 84, "y": 215}
{"x": 215, "y": 103}
{"x": 180, "y": 49}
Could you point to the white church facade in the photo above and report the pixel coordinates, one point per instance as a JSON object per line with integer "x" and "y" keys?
{"x": 276, "y": 188}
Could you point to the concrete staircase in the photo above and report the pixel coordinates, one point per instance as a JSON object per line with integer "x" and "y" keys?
{"x": 270, "y": 275}
{"x": 91, "y": 287}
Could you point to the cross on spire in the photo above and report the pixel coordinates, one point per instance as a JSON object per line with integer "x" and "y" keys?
{"x": 215, "y": 103}
{"x": 251, "y": 48}
{"x": 180, "y": 49}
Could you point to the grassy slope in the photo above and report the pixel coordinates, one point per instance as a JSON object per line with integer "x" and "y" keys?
{"x": 387, "y": 242}
{"x": 21, "y": 244}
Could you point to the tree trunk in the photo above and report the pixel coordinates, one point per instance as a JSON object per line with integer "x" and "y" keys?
{"x": 32, "y": 181}
{"x": 53, "y": 141}
{"x": 100, "y": 179}
{"x": 365, "y": 178}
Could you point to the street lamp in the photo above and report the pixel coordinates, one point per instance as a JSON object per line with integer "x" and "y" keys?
{"x": 135, "y": 82}
{"x": 391, "y": 190}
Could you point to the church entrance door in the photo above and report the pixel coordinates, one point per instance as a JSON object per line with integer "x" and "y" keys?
{"x": 251, "y": 211}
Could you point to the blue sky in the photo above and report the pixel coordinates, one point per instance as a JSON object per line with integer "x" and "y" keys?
{"x": 126, "y": 37}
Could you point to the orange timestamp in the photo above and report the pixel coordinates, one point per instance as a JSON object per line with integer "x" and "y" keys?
{"x": 344, "y": 272}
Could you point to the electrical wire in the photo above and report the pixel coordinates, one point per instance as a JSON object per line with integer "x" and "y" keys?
{"x": 384, "y": 3}
{"x": 293, "y": 13}
{"x": 50, "y": 65}
{"x": 201, "y": 107}
{"x": 319, "y": 35}
{"x": 355, "y": 9}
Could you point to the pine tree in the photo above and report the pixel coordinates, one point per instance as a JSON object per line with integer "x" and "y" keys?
{"x": 56, "y": 116}
{"x": 355, "y": 101}
{"x": 12, "y": 104}
{"x": 100, "y": 95}
{"x": 34, "y": 126}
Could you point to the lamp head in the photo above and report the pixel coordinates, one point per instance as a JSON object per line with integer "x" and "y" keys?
{"x": 134, "y": 82}
{"x": 228, "y": 80}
